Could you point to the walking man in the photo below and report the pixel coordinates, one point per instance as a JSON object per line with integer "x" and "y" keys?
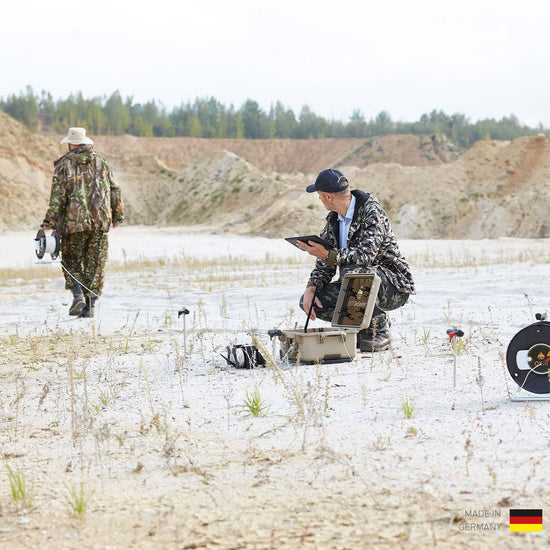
{"x": 84, "y": 202}
{"x": 361, "y": 237}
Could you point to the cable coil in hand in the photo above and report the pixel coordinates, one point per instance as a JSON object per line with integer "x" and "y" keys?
{"x": 47, "y": 244}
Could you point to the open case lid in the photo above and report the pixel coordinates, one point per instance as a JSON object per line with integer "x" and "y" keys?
{"x": 356, "y": 300}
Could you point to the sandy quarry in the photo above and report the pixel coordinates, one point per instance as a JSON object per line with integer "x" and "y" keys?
{"x": 256, "y": 187}
{"x": 145, "y": 424}
{"x": 161, "y": 443}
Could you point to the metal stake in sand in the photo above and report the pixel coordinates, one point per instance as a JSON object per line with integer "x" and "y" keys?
{"x": 453, "y": 334}
{"x": 274, "y": 336}
{"x": 184, "y": 312}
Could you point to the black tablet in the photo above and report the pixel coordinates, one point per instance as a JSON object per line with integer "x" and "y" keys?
{"x": 306, "y": 238}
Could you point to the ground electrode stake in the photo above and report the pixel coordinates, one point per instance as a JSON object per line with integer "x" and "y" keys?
{"x": 273, "y": 335}
{"x": 184, "y": 312}
{"x": 453, "y": 334}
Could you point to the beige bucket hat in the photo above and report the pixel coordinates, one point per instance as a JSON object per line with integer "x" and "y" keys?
{"x": 77, "y": 136}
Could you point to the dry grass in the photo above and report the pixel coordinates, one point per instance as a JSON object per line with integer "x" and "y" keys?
{"x": 215, "y": 273}
{"x": 462, "y": 259}
{"x": 206, "y": 273}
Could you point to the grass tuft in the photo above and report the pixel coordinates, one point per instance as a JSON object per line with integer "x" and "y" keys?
{"x": 20, "y": 490}
{"x": 77, "y": 499}
{"x": 408, "y": 406}
{"x": 254, "y": 405}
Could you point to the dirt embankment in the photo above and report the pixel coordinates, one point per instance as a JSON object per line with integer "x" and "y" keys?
{"x": 25, "y": 173}
{"x": 290, "y": 156}
{"x": 494, "y": 189}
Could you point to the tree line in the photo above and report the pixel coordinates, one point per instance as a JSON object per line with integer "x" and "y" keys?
{"x": 209, "y": 118}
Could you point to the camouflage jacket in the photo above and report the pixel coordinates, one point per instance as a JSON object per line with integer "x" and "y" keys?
{"x": 371, "y": 242}
{"x": 84, "y": 195}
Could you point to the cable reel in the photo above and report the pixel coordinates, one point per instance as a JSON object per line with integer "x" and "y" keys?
{"x": 528, "y": 356}
{"x": 47, "y": 244}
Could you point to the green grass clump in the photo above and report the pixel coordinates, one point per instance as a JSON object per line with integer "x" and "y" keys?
{"x": 254, "y": 405}
{"x": 408, "y": 406}
{"x": 20, "y": 489}
{"x": 77, "y": 500}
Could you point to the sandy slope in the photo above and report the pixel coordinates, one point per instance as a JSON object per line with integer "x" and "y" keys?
{"x": 495, "y": 189}
{"x": 169, "y": 459}
{"x": 287, "y": 156}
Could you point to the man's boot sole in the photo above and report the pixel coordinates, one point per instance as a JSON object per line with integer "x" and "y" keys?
{"x": 88, "y": 309}
{"x": 76, "y": 309}
{"x": 374, "y": 349}
{"x": 85, "y": 313}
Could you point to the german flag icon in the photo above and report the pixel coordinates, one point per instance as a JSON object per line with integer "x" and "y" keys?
{"x": 525, "y": 520}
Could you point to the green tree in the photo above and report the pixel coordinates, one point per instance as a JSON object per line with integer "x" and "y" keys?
{"x": 118, "y": 115}
{"x": 357, "y": 126}
{"x": 310, "y": 125}
{"x": 46, "y": 109}
{"x": 207, "y": 117}
{"x": 383, "y": 124}
{"x": 251, "y": 115}
{"x": 195, "y": 127}
{"x": 284, "y": 121}
{"x": 23, "y": 107}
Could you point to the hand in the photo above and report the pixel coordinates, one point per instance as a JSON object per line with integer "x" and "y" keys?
{"x": 308, "y": 296}
{"x": 313, "y": 248}
{"x": 116, "y": 224}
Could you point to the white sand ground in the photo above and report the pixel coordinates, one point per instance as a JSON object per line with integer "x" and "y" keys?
{"x": 166, "y": 455}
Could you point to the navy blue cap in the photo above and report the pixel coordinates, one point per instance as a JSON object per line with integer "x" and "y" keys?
{"x": 329, "y": 181}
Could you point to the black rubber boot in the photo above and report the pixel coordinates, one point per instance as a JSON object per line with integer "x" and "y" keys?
{"x": 78, "y": 301}
{"x": 369, "y": 341}
{"x": 88, "y": 310}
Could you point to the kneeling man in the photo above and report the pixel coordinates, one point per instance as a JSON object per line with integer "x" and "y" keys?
{"x": 360, "y": 235}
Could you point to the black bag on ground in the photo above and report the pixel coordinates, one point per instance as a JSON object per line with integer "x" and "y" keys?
{"x": 244, "y": 357}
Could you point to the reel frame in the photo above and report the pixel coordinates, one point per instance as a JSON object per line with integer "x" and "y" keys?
{"x": 47, "y": 244}
{"x": 528, "y": 359}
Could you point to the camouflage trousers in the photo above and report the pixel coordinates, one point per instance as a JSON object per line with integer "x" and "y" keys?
{"x": 388, "y": 299}
{"x": 84, "y": 255}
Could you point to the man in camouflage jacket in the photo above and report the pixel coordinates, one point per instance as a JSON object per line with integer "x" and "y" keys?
{"x": 370, "y": 242}
{"x": 85, "y": 201}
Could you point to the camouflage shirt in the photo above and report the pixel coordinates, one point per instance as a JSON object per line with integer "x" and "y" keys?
{"x": 371, "y": 242}
{"x": 84, "y": 195}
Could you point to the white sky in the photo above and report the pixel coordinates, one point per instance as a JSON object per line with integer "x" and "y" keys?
{"x": 482, "y": 58}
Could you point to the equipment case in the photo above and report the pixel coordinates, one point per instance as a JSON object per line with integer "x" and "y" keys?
{"x": 338, "y": 343}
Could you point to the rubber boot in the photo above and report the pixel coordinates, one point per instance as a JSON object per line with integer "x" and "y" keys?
{"x": 88, "y": 310}
{"x": 78, "y": 301}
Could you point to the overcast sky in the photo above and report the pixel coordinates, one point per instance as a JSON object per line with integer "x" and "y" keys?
{"x": 482, "y": 58}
